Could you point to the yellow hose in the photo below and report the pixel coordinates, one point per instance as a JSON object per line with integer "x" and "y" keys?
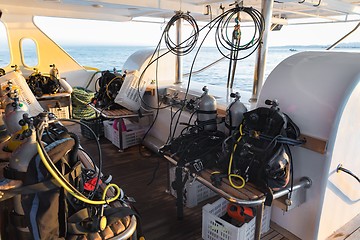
{"x": 73, "y": 191}
{"x": 232, "y": 175}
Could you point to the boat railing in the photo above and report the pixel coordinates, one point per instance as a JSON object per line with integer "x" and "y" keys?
{"x": 257, "y": 201}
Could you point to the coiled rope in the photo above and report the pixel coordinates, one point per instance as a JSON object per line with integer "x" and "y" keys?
{"x": 80, "y": 98}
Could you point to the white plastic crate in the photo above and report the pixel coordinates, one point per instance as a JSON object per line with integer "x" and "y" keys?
{"x": 131, "y": 138}
{"x": 215, "y": 228}
{"x": 109, "y": 129}
{"x": 194, "y": 191}
{"x": 60, "y": 112}
{"x": 127, "y": 139}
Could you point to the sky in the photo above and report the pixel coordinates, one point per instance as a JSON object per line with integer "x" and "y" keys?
{"x": 79, "y": 32}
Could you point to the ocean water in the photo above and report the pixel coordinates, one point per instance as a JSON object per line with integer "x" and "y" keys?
{"x": 110, "y": 57}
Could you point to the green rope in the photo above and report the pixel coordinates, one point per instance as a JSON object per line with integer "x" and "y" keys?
{"x": 80, "y": 98}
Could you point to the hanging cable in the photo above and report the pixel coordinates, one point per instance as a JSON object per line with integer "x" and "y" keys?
{"x": 340, "y": 168}
{"x": 221, "y": 22}
{"x": 223, "y": 41}
{"x": 186, "y": 46}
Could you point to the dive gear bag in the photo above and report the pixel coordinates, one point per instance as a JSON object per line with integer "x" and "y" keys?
{"x": 40, "y": 84}
{"x": 259, "y": 151}
{"x": 109, "y": 86}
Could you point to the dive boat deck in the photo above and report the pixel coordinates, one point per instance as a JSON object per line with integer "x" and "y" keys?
{"x": 143, "y": 175}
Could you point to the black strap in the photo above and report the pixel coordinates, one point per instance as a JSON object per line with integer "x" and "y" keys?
{"x": 206, "y": 112}
{"x": 29, "y": 189}
{"x": 178, "y": 185}
{"x": 112, "y": 214}
{"x": 269, "y": 197}
{"x": 11, "y": 173}
{"x": 38, "y": 187}
{"x": 17, "y": 220}
{"x": 23, "y": 235}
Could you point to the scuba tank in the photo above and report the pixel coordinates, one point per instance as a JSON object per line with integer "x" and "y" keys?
{"x": 234, "y": 114}
{"x": 18, "y": 166}
{"x": 14, "y": 112}
{"x": 55, "y": 76}
{"x": 206, "y": 111}
{"x": 54, "y": 72}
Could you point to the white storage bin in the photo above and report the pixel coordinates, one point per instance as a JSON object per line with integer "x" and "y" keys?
{"x": 215, "y": 228}
{"x": 125, "y": 139}
{"x": 109, "y": 129}
{"x": 60, "y": 112}
{"x": 194, "y": 191}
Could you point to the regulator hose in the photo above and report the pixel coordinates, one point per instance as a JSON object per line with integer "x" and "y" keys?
{"x": 223, "y": 39}
{"x": 55, "y": 173}
{"x": 184, "y": 47}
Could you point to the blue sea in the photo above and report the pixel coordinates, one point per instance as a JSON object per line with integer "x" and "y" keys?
{"x": 110, "y": 57}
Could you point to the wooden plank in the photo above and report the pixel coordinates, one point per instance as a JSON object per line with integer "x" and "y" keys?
{"x": 352, "y": 227}
{"x": 282, "y": 231}
{"x": 249, "y": 191}
{"x": 272, "y": 235}
{"x": 314, "y": 144}
{"x": 277, "y": 237}
{"x": 225, "y": 187}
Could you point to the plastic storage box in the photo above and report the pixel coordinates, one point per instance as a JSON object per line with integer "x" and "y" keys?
{"x": 60, "y": 112}
{"x": 96, "y": 124}
{"x": 215, "y": 228}
{"x": 109, "y": 130}
{"x": 125, "y": 139}
{"x": 194, "y": 191}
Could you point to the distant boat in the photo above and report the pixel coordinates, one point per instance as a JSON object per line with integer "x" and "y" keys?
{"x": 292, "y": 50}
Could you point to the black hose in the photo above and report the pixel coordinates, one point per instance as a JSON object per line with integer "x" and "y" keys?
{"x": 184, "y": 47}
{"x": 340, "y": 168}
{"x": 74, "y": 151}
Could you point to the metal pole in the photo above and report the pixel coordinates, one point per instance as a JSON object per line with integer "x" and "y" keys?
{"x": 259, "y": 74}
{"x": 179, "y": 63}
{"x": 259, "y": 215}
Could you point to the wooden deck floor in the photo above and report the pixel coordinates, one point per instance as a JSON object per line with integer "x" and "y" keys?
{"x": 143, "y": 175}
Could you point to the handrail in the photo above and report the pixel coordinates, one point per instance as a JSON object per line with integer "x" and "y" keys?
{"x": 348, "y": 34}
{"x": 128, "y": 232}
{"x": 304, "y": 182}
{"x": 206, "y": 67}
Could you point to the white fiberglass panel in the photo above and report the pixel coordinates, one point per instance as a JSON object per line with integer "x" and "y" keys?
{"x": 312, "y": 88}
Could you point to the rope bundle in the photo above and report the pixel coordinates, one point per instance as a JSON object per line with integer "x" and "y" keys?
{"x": 80, "y": 98}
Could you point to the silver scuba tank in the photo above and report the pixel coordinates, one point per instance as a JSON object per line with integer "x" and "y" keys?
{"x": 234, "y": 114}
{"x": 14, "y": 112}
{"x": 19, "y": 161}
{"x": 206, "y": 111}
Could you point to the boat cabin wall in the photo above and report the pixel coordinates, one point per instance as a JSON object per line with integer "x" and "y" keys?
{"x": 320, "y": 92}
{"x": 20, "y": 27}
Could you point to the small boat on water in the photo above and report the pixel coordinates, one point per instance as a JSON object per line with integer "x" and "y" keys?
{"x": 313, "y": 96}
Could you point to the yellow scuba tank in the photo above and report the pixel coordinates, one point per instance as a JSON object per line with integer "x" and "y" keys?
{"x": 16, "y": 140}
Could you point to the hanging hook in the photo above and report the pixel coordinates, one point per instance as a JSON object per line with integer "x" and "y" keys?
{"x": 222, "y": 7}
{"x": 317, "y": 4}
